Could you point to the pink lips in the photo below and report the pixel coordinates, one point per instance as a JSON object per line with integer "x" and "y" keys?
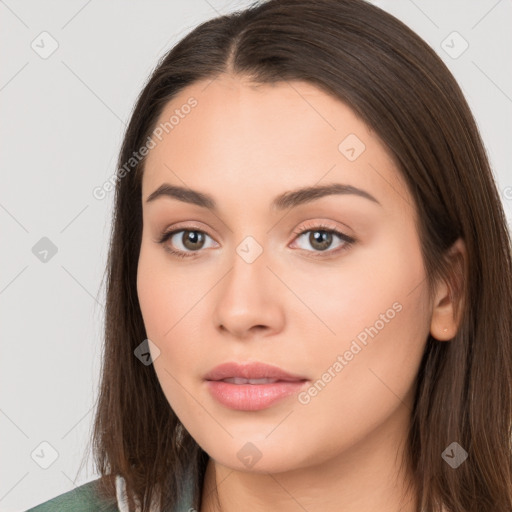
{"x": 252, "y": 386}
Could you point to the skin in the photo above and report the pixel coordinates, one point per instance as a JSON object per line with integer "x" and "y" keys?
{"x": 244, "y": 144}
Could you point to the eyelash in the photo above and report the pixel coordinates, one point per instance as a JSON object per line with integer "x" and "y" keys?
{"x": 349, "y": 241}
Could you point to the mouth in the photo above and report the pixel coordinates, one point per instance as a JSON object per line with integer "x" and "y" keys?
{"x": 241, "y": 380}
{"x": 253, "y": 371}
{"x": 253, "y": 386}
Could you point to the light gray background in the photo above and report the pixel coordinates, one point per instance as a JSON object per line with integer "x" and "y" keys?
{"x": 62, "y": 122}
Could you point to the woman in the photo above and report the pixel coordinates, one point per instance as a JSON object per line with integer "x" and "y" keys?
{"x": 309, "y": 279}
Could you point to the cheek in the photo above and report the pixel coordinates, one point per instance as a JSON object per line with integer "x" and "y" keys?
{"x": 375, "y": 385}
{"x": 165, "y": 292}
{"x": 349, "y": 296}
{"x": 167, "y": 300}
{"x": 171, "y": 304}
{"x": 379, "y": 313}
{"x": 151, "y": 293}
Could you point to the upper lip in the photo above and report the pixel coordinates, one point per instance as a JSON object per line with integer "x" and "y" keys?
{"x": 255, "y": 370}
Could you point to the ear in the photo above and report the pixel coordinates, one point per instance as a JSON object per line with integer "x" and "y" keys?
{"x": 448, "y": 303}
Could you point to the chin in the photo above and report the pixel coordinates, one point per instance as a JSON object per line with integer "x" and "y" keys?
{"x": 255, "y": 456}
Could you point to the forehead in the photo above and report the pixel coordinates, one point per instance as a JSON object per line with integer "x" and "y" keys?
{"x": 278, "y": 136}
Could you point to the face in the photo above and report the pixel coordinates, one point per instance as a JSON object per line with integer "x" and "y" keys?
{"x": 328, "y": 287}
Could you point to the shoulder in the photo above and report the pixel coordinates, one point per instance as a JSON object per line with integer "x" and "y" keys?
{"x": 85, "y": 498}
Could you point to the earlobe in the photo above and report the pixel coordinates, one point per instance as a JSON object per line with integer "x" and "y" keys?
{"x": 449, "y": 299}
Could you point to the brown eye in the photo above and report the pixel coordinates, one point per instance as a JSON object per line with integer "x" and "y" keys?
{"x": 320, "y": 240}
{"x": 192, "y": 240}
{"x": 185, "y": 242}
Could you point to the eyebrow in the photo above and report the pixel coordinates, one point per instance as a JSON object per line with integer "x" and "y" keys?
{"x": 289, "y": 199}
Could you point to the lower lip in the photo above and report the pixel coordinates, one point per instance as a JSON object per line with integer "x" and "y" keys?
{"x": 252, "y": 397}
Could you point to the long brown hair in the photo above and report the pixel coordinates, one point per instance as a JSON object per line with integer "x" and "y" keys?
{"x": 398, "y": 85}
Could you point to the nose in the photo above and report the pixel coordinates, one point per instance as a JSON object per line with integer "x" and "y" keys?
{"x": 249, "y": 300}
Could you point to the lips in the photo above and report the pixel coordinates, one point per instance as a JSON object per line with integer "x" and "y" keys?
{"x": 252, "y": 386}
{"x": 251, "y": 372}
{"x": 241, "y": 380}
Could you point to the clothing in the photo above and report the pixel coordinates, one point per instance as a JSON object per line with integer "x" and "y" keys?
{"x": 85, "y": 498}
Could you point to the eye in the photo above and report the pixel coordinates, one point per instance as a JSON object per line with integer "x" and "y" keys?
{"x": 321, "y": 238}
{"x": 187, "y": 241}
